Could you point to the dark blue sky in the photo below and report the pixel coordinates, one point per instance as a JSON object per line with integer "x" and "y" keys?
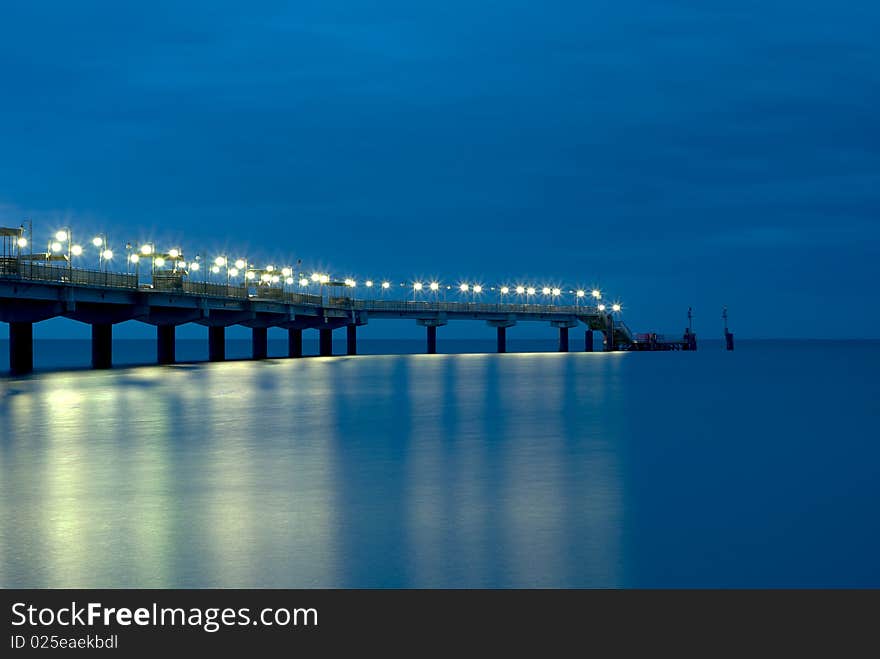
{"x": 679, "y": 153}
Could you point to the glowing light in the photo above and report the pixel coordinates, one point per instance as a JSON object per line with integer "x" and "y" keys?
{"x": 286, "y": 272}
{"x": 215, "y": 269}
{"x": 464, "y": 288}
{"x": 61, "y": 236}
{"x": 417, "y": 286}
{"x": 530, "y": 290}
{"x": 556, "y": 292}
{"x": 21, "y": 242}
{"x": 386, "y": 285}
{"x": 251, "y": 274}
{"x": 520, "y": 290}
{"x": 181, "y": 264}
{"x": 368, "y": 283}
{"x": 505, "y": 290}
{"x": 351, "y": 283}
{"x": 545, "y": 290}
{"x": 194, "y": 266}
{"x": 97, "y": 241}
{"x": 289, "y": 281}
{"x": 220, "y": 261}
{"x": 581, "y": 293}
{"x": 434, "y": 286}
{"x": 134, "y": 258}
{"x": 266, "y": 277}
{"x": 324, "y": 279}
{"x": 270, "y": 268}
{"x": 146, "y": 250}
{"x": 240, "y": 264}
{"x": 56, "y": 247}
{"x": 601, "y": 307}
{"x": 478, "y": 288}
{"x": 76, "y": 250}
{"x": 159, "y": 261}
{"x": 615, "y": 307}
{"x": 316, "y": 276}
{"x": 275, "y": 279}
{"x": 303, "y": 281}
{"x": 233, "y": 272}
{"x": 173, "y": 253}
{"x": 596, "y": 293}
{"x": 107, "y": 254}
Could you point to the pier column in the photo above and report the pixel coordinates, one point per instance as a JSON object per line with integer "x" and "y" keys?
{"x": 294, "y": 342}
{"x": 102, "y": 345}
{"x": 21, "y": 348}
{"x": 216, "y": 343}
{"x": 588, "y": 341}
{"x": 259, "y": 342}
{"x": 325, "y": 342}
{"x": 502, "y": 339}
{"x": 728, "y": 340}
{"x": 165, "y": 348}
{"x": 609, "y": 334}
{"x": 351, "y": 339}
{"x": 432, "y": 339}
{"x": 563, "y": 339}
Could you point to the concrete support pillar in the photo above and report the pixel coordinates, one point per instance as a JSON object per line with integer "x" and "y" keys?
{"x": 432, "y": 339}
{"x": 609, "y": 334}
{"x": 502, "y": 339}
{"x": 259, "y": 342}
{"x": 102, "y": 345}
{"x": 216, "y": 344}
{"x": 351, "y": 339}
{"x": 563, "y": 339}
{"x": 21, "y": 348}
{"x": 165, "y": 348}
{"x": 325, "y": 342}
{"x": 588, "y": 341}
{"x": 294, "y": 342}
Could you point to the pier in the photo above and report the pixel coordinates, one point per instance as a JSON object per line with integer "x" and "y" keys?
{"x": 31, "y": 292}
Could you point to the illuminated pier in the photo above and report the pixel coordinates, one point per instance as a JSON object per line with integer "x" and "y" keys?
{"x": 168, "y": 293}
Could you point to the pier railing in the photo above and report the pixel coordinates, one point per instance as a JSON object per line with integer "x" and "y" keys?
{"x": 66, "y": 275}
{"x": 460, "y": 307}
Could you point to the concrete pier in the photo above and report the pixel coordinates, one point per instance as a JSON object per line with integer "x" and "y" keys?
{"x": 502, "y": 339}
{"x": 588, "y": 341}
{"x": 21, "y": 348}
{"x": 102, "y": 345}
{"x": 294, "y": 342}
{"x": 563, "y": 339}
{"x": 216, "y": 343}
{"x": 165, "y": 344}
{"x": 259, "y": 342}
{"x": 325, "y": 342}
{"x": 432, "y": 339}
{"x": 351, "y": 339}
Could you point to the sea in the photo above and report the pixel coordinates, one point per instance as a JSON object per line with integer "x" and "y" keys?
{"x": 753, "y": 468}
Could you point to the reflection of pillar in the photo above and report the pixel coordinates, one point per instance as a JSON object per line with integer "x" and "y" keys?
{"x": 259, "y": 342}
{"x": 588, "y": 341}
{"x": 216, "y": 344}
{"x": 325, "y": 342}
{"x": 165, "y": 353}
{"x": 563, "y": 339}
{"x": 21, "y": 348}
{"x": 502, "y": 339}
{"x": 294, "y": 342}
{"x": 102, "y": 345}
{"x": 432, "y": 339}
{"x": 351, "y": 339}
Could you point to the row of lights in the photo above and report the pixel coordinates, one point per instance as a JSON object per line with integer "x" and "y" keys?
{"x": 272, "y": 275}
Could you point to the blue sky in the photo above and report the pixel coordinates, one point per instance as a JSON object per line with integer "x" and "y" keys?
{"x": 678, "y": 153}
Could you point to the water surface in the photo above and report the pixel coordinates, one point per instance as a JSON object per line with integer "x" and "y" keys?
{"x": 756, "y": 468}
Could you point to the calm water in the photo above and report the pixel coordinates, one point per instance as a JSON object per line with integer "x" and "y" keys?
{"x": 756, "y": 468}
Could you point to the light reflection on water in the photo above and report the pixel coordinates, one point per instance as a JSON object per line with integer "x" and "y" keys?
{"x": 460, "y": 471}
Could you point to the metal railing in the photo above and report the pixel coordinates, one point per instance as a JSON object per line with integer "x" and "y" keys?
{"x": 462, "y": 307}
{"x": 28, "y": 270}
